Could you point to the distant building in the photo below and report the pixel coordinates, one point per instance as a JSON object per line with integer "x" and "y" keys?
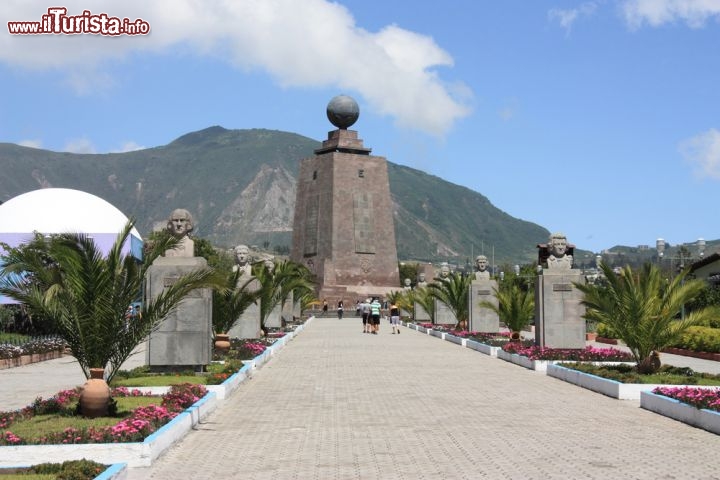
{"x": 707, "y": 269}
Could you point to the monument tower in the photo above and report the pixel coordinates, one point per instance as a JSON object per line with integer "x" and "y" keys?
{"x": 343, "y": 228}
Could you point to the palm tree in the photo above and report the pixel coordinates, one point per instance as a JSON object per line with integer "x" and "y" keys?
{"x": 403, "y": 299}
{"x": 643, "y": 309}
{"x": 277, "y": 284}
{"x": 515, "y": 306}
{"x": 453, "y": 291}
{"x": 422, "y": 297}
{"x": 67, "y": 279}
{"x": 232, "y": 301}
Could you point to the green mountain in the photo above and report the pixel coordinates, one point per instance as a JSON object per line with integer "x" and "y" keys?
{"x": 240, "y": 187}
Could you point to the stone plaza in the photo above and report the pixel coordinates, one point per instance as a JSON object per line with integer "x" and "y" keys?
{"x": 335, "y": 403}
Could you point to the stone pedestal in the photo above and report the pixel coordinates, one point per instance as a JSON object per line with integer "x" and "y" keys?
{"x": 274, "y": 320}
{"x": 559, "y": 321}
{"x": 288, "y": 309}
{"x": 248, "y": 325}
{"x": 483, "y": 319}
{"x": 443, "y": 315}
{"x": 420, "y": 314}
{"x": 184, "y": 338}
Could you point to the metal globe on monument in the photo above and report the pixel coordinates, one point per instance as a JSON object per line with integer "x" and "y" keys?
{"x": 343, "y": 111}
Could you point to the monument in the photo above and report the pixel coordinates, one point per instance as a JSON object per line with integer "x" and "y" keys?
{"x": 274, "y": 319}
{"x": 482, "y": 289}
{"x": 443, "y": 314}
{"x": 248, "y": 325}
{"x": 559, "y": 321}
{"x": 419, "y": 313}
{"x": 343, "y": 226}
{"x": 184, "y": 338}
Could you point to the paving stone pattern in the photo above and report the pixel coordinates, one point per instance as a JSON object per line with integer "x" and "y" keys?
{"x": 336, "y": 403}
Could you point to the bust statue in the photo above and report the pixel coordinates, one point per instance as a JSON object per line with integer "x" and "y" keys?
{"x": 421, "y": 280}
{"x": 180, "y": 224}
{"x": 444, "y": 272}
{"x": 481, "y": 264}
{"x": 242, "y": 259}
{"x": 269, "y": 262}
{"x": 407, "y": 284}
{"x": 558, "y": 259}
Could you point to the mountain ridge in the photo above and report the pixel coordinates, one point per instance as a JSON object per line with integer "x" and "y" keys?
{"x": 240, "y": 187}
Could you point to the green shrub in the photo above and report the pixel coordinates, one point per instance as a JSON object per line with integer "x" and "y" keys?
{"x": 71, "y": 470}
{"x": 701, "y": 339}
{"x": 605, "y": 331}
{"x": 712, "y": 323}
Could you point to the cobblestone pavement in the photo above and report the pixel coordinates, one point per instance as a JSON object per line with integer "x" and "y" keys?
{"x": 339, "y": 404}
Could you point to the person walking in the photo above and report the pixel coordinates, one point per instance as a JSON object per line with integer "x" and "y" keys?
{"x": 365, "y": 312}
{"x": 375, "y": 316}
{"x": 395, "y": 318}
{"x": 325, "y": 308}
{"x": 340, "y": 309}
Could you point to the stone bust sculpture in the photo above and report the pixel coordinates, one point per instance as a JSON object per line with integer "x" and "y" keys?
{"x": 444, "y": 272}
{"x": 421, "y": 280}
{"x": 558, "y": 259}
{"x": 180, "y": 224}
{"x": 407, "y": 284}
{"x": 242, "y": 259}
{"x": 269, "y": 263}
{"x": 481, "y": 264}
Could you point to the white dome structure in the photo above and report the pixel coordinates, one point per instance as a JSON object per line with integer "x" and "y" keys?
{"x": 63, "y": 210}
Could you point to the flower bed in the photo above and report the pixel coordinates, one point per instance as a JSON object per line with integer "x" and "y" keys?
{"x": 587, "y": 354}
{"x": 539, "y": 358}
{"x": 142, "y": 422}
{"x": 136, "y": 440}
{"x": 619, "y": 389}
{"x": 696, "y": 406}
{"x": 30, "y": 352}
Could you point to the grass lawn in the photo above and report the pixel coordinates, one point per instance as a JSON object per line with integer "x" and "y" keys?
{"x": 667, "y": 375}
{"x": 26, "y": 476}
{"x": 155, "y": 380}
{"x": 41, "y": 425}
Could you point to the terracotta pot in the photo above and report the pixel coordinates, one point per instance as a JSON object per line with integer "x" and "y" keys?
{"x": 515, "y": 336}
{"x": 95, "y": 395}
{"x": 222, "y": 342}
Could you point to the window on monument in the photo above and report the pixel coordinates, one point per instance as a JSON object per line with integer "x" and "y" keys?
{"x": 315, "y": 175}
{"x": 361, "y": 173}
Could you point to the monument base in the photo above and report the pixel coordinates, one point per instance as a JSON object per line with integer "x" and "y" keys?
{"x": 483, "y": 319}
{"x": 184, "y": 338}
{"x": 559, "y": 321}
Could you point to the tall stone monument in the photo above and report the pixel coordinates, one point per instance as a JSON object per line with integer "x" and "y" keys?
{"x": 343, "y": 227}
{"x": 443, "y": 315}
{"x": 482, "y": 289}
{"x": 184, "y": 338}
{"x": 559, "y": 321}
{"x": 419, "y": 313}
{"x": 248, "y": 324}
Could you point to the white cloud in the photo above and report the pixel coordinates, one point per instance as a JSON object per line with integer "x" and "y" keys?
{"x": 567, "y": 17}
{"x": 79, "y": 145}
{"x": 31, "y": 143}
{"x": 659, "y": 12}
{"x": 306, "y": 43}
{"x": 703, "y": 152}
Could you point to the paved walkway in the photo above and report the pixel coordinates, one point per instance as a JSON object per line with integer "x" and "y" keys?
{"x": 339, "y": 404}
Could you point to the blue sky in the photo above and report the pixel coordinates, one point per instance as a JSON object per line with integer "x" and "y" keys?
{"x": 598, "y": 119}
